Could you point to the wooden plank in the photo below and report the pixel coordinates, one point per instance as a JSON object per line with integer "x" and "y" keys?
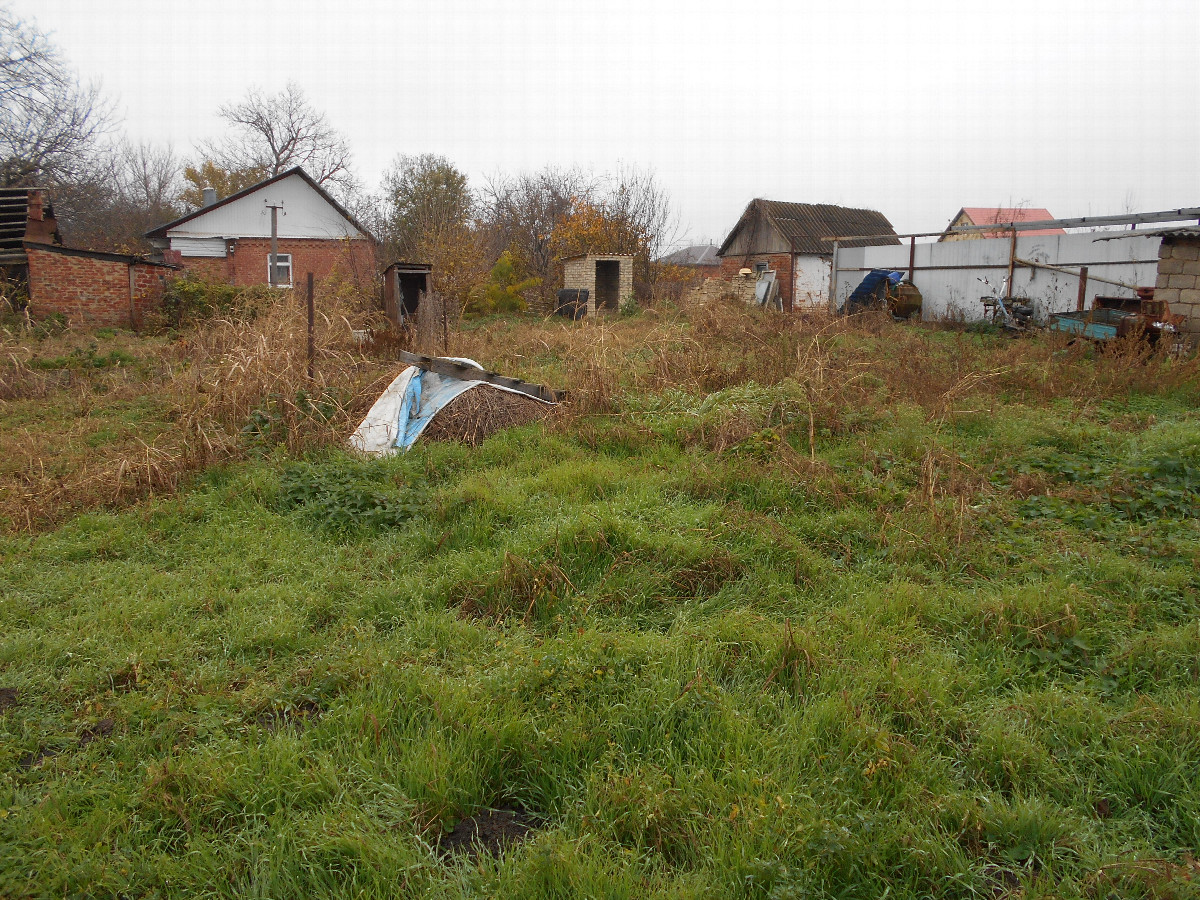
{"x": 451, "y": 369}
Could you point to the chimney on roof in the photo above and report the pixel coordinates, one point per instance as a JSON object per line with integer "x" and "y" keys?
{"x": 210, "y": 196}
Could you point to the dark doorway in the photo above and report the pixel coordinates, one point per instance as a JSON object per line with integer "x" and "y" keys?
{"x": 404, "y": 284}
{"x": 608, "y": 284}
{"x": 412, "y": 286}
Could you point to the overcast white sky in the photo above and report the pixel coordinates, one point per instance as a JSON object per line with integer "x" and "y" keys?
{"x": 1089, "y": 107}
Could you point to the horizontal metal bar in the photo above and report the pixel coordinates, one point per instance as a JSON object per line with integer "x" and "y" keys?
{"x": 1122, "y": 262}
{"x": 1170, "y": 215}
{"x": 1037, "y": 265}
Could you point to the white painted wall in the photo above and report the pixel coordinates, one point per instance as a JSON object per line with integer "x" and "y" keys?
{"x": 199, "y": 246}
{"x": 810, "y": 280}
{"x": 955, "y": 291}
{"x": 305, "y": 214}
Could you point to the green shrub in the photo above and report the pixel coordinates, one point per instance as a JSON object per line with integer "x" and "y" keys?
{"x": 503, "y": 292}
{"x": 192, "y": 299}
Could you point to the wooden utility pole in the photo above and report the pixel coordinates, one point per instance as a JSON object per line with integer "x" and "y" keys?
{"x": 1081, "y": 300}
{"x": 275, "y": 208}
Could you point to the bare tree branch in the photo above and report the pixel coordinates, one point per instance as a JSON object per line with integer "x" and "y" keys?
{"x": 276, "y": 132}
{"x": 49, "y": 122}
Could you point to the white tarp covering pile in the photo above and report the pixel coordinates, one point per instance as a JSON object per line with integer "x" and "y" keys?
{"x": 409, "y": 404}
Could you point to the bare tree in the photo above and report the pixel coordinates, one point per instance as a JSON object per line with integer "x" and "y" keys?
{"x": 521, "y": 213}
{"x": 126, "y": 190}
{"x": 275, "y": 132}
{"x": 543, "y": 216}
{"x": 49, "y": 122}
{"x": 640, "y": 203}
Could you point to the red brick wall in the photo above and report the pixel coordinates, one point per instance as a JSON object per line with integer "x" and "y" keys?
{"x": 780, "y": 262}
{"x": 92, "y": 292}
{"x": 247, "y": 265}
{"x": 205, "y": 267}
{"x": 148, "y": 284}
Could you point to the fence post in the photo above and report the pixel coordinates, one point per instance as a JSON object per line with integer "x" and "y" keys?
{"x": 311, "y": 349}
{"x": 833, "y": 272}
{"x": 1012, "y": 257}
{"x": 1082, "y": 298}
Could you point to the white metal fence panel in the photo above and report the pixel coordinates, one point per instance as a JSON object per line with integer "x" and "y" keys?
{"x": 948, "y": 273}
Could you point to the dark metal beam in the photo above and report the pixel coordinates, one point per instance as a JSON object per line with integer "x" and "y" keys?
{"x": 462, "y": 372}
{"x": 1170, "y": 215}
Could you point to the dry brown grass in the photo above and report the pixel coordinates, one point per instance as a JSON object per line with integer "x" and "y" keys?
{"x": 236, "y": 373}
{"x": 78, "y": 438}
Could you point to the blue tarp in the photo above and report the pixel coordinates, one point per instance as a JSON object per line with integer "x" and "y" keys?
{"x": 408, "y": 405}
{"x": 872, "y": 289}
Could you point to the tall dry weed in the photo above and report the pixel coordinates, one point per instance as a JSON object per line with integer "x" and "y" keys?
{"x": 243, "y": 381}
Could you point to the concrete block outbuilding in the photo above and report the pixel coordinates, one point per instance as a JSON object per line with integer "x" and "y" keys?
{"x": 1179, "y": 277}
{"x": 608, "y": 279}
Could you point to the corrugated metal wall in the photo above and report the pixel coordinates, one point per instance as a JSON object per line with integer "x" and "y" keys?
{"x": 947, "y": 273}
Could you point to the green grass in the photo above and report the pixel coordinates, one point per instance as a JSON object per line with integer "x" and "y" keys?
{"x": 926, "y": 658}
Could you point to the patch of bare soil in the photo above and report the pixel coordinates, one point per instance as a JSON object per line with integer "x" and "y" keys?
{"x": 29, "y": 760}
{"x": 8, "y": 697}
{"x": 289, "y": 717}
{"x": 474, "y": 415}
{"x": 489, "y": 831}
{"x": 101, "y": 729}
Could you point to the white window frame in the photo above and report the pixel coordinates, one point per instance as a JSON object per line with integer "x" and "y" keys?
{"x": 279, "y": 262}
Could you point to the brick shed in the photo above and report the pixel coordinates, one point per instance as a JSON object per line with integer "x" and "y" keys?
{"x": 93, "y": 289}
{"x": 608, "y": 279}
{"x": 789, "y": 239}
{"x": 86, "y": 287}
{"x": 229, "y": 239}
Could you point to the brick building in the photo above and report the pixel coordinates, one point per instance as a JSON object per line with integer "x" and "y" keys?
{"x": 229, "y": 239}
{"x": 787, "y": 238}
{"x": 608, "y": 279}
{"x": 86, "y": 287}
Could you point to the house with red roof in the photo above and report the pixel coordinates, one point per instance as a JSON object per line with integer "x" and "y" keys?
{"x": 995, "y": 215}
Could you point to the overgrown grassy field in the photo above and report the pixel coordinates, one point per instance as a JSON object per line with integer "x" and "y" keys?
{"x": 770, "y": 610}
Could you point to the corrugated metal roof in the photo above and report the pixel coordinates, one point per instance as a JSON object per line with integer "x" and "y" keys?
{"x": 1002, "y": 215}
{"x": 804, "y": 225}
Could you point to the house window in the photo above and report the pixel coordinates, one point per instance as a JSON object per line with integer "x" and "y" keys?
{"x": 283, "y": 269}
{"x": 760, "y": 267}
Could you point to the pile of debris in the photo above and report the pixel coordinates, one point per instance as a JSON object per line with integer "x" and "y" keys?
{"x": 448, "y": 399}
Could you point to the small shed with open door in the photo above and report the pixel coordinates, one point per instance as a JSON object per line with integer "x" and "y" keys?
{"x": 405, "y": 284}
{"x": 608, "y": 279}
